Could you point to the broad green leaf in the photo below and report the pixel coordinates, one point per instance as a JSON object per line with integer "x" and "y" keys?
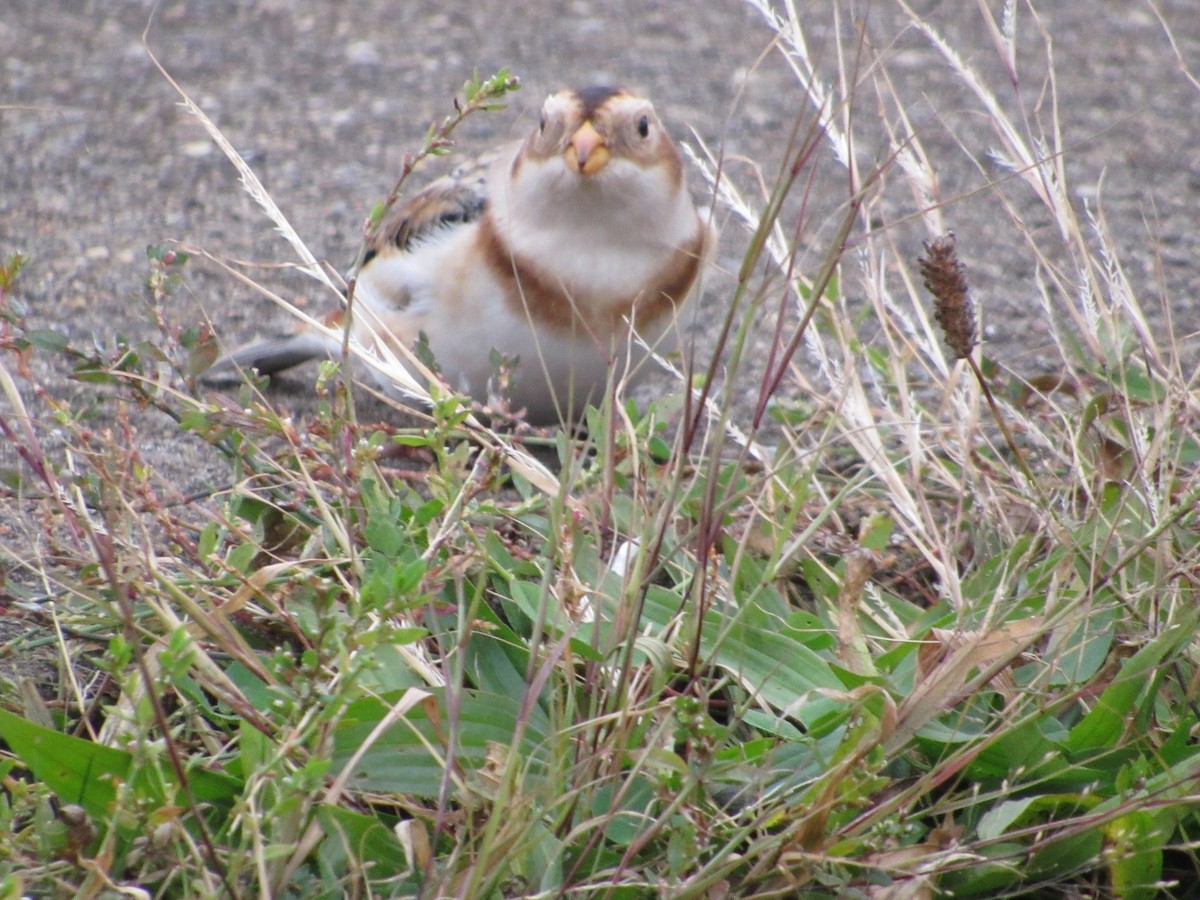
{"x": 626, "y": 816}
{"x": 1135, "y": 855}
{"x": 411, "y": 756}
{"x": 535, "y": 602}
{"x": 492, "y": 666}
{"x": 1078, "y": 652}
{"x": 998, "y": 869}
{"x": 354, "y": 841}
{"x": 83, "y": 772}
{"x": 1103, "y": 727}
{"x": 253, "y": 746}
{"x": 78, "y": 771}
{"x": 1059, "y": 855}
{"x": 47, "y": 339}
{"x": 772, "y": 664}
{"x": 1028, "y": 810}
{"x": 385, "y": 535}
{"x": 1172, "y": 790}
{"x": 997, "y": 820}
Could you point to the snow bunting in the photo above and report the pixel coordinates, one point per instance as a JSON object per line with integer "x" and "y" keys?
{"x": 549, "y": 254}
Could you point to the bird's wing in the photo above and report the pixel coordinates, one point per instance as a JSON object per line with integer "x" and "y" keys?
{"x": 453, "y": 200}
{"x": 447, "y": 202}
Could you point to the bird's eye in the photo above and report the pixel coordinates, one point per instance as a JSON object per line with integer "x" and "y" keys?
{"x": 644, "y": 126}
{"x": 542, "y": 124}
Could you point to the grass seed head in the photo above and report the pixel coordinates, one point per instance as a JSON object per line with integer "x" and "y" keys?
{"x": 946, "y": 278}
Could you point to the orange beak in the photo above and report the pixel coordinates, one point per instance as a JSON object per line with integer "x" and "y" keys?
{"x": 586, "y": 152}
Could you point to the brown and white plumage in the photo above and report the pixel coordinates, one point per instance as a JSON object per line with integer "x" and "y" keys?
{"x": 547, "y": 253}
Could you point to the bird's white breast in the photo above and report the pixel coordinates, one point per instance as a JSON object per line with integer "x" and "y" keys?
{"x": 598, "y": 241}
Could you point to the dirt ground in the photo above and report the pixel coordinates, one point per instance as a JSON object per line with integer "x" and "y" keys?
{"x": 98, "y": 160}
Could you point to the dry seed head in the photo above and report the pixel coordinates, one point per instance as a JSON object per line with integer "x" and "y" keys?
{"x": 946, "y": 278}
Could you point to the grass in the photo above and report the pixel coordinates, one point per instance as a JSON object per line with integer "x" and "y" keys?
{"x": 915, "y": 625}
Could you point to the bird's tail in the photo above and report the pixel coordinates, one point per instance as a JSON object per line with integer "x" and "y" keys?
{"x": 273, "y": 355}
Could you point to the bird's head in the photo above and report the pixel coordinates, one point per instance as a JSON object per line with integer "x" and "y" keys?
{"x": 596, "y": 132}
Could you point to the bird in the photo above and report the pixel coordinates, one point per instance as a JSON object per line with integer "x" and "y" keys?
{"x": 550, "y": 252}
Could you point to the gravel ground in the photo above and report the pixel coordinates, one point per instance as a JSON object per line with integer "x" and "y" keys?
{"x": 99, "y": 159}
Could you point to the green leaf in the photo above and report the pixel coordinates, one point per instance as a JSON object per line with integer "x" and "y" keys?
{"x": 771, "y": 663}
{"x": 410, "y": 757}
{"x": 83, "y": 772}
{"x": 625, "y": 814}
{"x": 1079, "y": 652}
{"x": 78, "y": 771}
{"x": 492, "y": 667}
{"x": 876, "y": 531}
{"x": 997, "y": 820}
{"x": 1023, "y": 749}
{"x": 1134, "y": 854}
{"x": 1057, "y": 855}
{"x": 1103, "y": 727}
{"x": 535, "y": 602}
{"x": 385, "y": 535}
{"x": 253, "y": 747}
{"x": 11, "y": 269}
{"x": 207, "y": 542}
{"x": 998, "y": 868}
{"x": 1009, "y": 814}
{"x": 47, "y": 339}
{"x": 201, "y": 358}
{"x": 408, "y": 577}
{"x": 354, "y": 841}
{"x": 377, "y": 210}
{"x": 239, "y": 558}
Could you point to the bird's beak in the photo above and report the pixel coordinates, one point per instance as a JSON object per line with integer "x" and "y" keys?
{"x": 586, "y": 152}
